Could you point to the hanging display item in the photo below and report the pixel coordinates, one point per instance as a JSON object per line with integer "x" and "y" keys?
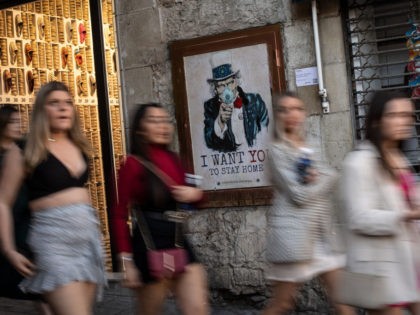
{"x": 28, "y": 53}
{"x": 13, "y": 51}
{"x": 413, "y": 66}
{"x": 48, "y": 40}
{"x": 7, "y": 79}
{"x": 19, "y": 24}
{"x": 64, "y": 57}
{"x": 30, "y": 81}
{"x": 69, "y": 31}
{"x": 92, "y": 84}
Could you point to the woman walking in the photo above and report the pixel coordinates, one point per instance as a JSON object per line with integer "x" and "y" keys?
{"x": 300, "y": 242}
{"x": 379, "y": 199}
{"x": 9, "y": 135}
{"x": 64, "y": 235}
{"x": 9, "y": 286}
{"x": 141, "y": 183}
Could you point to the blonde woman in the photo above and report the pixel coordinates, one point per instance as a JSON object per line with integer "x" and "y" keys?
{"x": 300, "y": 242}
{"x": 64, "y": 234}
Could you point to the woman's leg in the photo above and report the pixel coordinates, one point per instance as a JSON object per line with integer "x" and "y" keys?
{"x": 414, "y": 308}
{"x": 330, "y": 280}
{"x": 43, "y": 308}
{"x": 191, "y": 291}
{"x": 72, "y": 298}
{"x": 150, "y": 297}
{"x": 282, "y": 300}
{"x": 387, "y": 311}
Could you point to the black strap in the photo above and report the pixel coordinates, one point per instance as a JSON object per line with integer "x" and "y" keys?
{"x": 144, "y": 229}
{"x": 140, "y": 220}
{"x": 159, "y": 173}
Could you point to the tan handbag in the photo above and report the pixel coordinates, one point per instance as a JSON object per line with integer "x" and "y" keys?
{"x": 362, "y": 290}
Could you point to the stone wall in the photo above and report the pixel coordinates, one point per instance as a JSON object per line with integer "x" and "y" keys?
{"x": 231, "y": 240}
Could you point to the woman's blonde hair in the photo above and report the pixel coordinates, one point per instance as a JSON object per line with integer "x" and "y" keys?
{"x": 39, "y": 133}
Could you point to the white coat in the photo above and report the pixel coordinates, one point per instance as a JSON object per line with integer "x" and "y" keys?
{"x": 378, "y": 240}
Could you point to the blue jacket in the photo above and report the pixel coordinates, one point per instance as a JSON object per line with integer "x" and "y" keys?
{"x": 255, "y": 117}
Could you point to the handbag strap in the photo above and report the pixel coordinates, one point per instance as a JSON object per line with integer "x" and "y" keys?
{"x": 141, "y": 224}
{"x": 158, "y": 172}
{"x": 143, "y": 228}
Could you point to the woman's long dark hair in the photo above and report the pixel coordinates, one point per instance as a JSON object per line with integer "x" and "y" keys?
{"x": 6, "y": 112}
{"x": 138, "y": 145}
{"x": 377, "y": 108}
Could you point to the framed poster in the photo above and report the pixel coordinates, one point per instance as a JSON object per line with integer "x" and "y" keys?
{"x": 223, "y": 89}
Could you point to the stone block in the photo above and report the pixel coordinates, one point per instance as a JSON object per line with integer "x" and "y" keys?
{"x": 248, "y": 280}
{"x": 299, "y": 44}
{"x": 290, "y": 78}
{"x": 130, "y": 6}
{"x": 301, "y": 10}
{"x": 138, "y": 87}
{"x": 313, "y": 126}
{"x": 200, "y": 18}
{"x": 254, "y": 220}
{"x": 205, "y": 221}
{"x": 314, "y": 133}
{"x": 337, "y": 127}
{"x": 337, "y": 136}
{"x": 139, "y": 37}
{"x": 249, "y": 249}
{"x": 335, "y": 151}
{"x": 328, "y": 8}
{"x": 309, "y": 95}
{"x": 220, "y": 278}
{"x": 162, "y": 80}
{"x": 336, "y": 83}
{"x": 331, "y": 40}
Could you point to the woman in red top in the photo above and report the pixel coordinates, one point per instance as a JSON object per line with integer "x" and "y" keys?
{"x": 151, "y": 133}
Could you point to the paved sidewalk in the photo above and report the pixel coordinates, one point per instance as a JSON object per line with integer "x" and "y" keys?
{"x": 118, "y": 301}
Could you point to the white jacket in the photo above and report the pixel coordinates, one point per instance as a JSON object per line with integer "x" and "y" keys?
{"x": 378, "y": 241}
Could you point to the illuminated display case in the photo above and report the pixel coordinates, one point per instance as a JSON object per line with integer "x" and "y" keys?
{"x": 46, "y": 40}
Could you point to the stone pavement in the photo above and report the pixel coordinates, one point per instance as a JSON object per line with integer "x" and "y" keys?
{"x": 118, "y": 301}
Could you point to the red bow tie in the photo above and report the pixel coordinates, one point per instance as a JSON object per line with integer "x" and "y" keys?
{"x": 238, "y": 102}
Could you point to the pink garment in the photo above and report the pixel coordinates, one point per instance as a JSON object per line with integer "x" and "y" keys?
{"x": 407, "y": 186}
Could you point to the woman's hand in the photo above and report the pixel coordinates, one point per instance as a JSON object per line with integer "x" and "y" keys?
{"x": 131, "y": 274}
{"x": 186, "y": 194}
{"x": 311, "y": 175}
{"x": 22, "y": 264}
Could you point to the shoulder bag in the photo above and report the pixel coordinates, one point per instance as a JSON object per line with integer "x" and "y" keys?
{"x": 362, "y": 290}
{"x": 162, "y": 263}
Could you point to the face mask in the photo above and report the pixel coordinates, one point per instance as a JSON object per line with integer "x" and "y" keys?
{"x": 227, "y": 96}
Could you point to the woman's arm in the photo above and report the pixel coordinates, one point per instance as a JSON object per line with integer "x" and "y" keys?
{"x": 360, "y": 189}
{"x": 128, "y": 181}
{"x": 10, "y": 182}
{"x": 186, "y": 194}
{"x": 285, "y": 179}
{"x": 180, "y": 191}
{"x": 127, "y": 177}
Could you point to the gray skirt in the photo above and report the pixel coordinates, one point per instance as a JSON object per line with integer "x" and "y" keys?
{"x": 66, "y": 244}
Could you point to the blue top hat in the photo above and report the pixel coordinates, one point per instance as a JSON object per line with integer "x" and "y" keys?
{"x": 221, "y": 64}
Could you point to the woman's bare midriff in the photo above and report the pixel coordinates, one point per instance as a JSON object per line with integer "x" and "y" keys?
{"x": 61, "y": 198}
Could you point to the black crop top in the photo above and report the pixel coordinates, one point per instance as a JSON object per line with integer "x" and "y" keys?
{"x": 51, "y": 176}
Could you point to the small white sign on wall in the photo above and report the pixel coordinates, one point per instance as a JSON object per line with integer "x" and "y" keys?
{"x": 306, "y": 76}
